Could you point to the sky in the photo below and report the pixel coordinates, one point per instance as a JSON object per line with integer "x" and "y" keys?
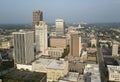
{"x": 72, "y": 11}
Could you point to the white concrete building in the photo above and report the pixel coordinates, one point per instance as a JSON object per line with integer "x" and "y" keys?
{"x": 23, "y": 66}
{"x": 41, "y": 37}
{"x": 23, "y": 47}
{"x": 60, "y": 26}
{"x": 114, "y": 73}
{"x": 91, "y": 73}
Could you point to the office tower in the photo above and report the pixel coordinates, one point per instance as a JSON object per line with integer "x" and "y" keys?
{"x": 41, "y": 38}
{"x": 93, "y": 42}
{"x": 60, "y": 25}
{"x": 23, "y": 47}
{"x": 115, "y": 49}
{"x": 37, "y": 16}
{"x": 75, "y": 45}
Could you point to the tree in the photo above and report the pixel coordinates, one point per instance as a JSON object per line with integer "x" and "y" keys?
{"x": 93, "y": 46}
{"x": 66, "y": 52}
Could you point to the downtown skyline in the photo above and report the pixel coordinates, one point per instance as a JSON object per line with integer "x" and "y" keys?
{"x": 88, "y": 11}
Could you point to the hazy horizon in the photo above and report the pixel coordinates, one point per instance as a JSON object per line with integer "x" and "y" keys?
{"x": 88, "y": 11}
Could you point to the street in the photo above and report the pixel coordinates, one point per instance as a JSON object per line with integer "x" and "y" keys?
{"x": 102, "y": 67}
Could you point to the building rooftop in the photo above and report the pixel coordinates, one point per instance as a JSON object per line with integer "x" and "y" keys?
{"x": 72, "y": 76}
{"x": 91, "y": 73}
{"x": 22, "y": 32}
{"x": 25, "y": 75}
{"x": 52, "y": 63}
{"x": 63, "y": 81}
{"x": 58, "y": 37}
{"x": 59, "y": 20}
{"x": 114, "y": 69}
{"x": 43, "y": 61}
{"x": 56, "y": 64}
{"x": 92, "y": 68}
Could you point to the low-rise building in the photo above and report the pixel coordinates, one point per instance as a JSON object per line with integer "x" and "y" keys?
{"x": 54, "y": 68}
{"x": 58, "y": 42}
{"x": 41, "y": 64}
{"x": 23, "y": 66}
{"x": 114, "y": 73}
{"x": 55, "y": 52}
{"x": 70, "y": 77}
{"x": 5, "y": 44}
{"x": 91, "y": 73}
{"x": 24, "y": 76}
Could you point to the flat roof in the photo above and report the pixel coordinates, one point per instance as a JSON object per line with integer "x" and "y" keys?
{"x": 72, "y": 76}
{"x": 43, "y": 61}
{"x": 51, "y": 63}
{"x": 91, "y": 72}
{"x": 114, "y": 69}
{"x": 57, "y": 64}
{"x": 24, "y": 75}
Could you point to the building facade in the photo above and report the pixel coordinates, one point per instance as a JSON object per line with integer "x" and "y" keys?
{"x": 93, "y": 42}
{"x": 23, "y": 47}
{"x": 115, "y": 49}
{"x": 114, "y": 73}
{"x": 37, "y": 16}
{"x": 5, "y": 44}
{"x": 58, "y": 42}
{"x": 60, "y": 26}
{"x": 91, "y": 73}
{"x": 75, "y": 45}
{"x": 41, "y": 37}
{"x": 55, "y": 52}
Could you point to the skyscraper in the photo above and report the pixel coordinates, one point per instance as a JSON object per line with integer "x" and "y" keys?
{"x": 37, "y": 16}
{"x": 75, "y": 45}
{"x": 115, "y": 49}
{"x": 23, "y": 47}
{"x": 41, "y": 38}
{"x": 60, "y": 25}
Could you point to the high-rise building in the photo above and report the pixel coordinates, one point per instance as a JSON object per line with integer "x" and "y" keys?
{"x": 23, "y": 47}
{"x": 115, "y": 49}
{"x": 60, "y": 25}
{"x": 75, "y": 45}
{"x": 93, "y": 42}
{"x": 41, "y": 38}
{"x": 37, "y": 16}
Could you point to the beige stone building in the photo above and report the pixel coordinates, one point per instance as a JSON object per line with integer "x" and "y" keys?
{"x": 75, "y": 45}
{"x": 115, "y": 49}
{"x": 37, "y": 16}
{"x": 55, "y": 52}
{"x": 55, "y": 69}
{"x": 5, "y": 44}
{"x": 58, "y": 42}
{"x": 93, "y": 42}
